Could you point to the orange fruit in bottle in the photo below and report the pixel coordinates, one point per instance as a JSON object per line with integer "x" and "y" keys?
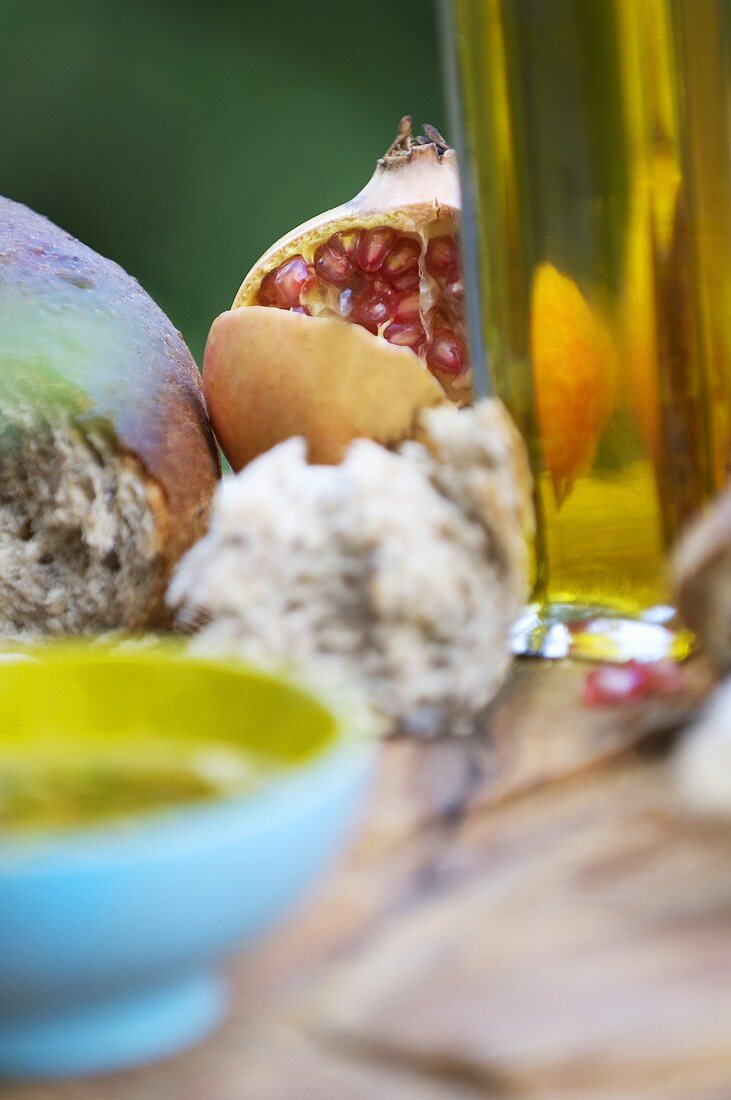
{"x": 574, "y": 374}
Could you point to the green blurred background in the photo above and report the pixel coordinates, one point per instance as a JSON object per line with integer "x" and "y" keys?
{"x": 182, "y": 137}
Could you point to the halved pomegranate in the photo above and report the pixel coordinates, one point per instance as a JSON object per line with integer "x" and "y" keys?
{"x": 387, "y": 262}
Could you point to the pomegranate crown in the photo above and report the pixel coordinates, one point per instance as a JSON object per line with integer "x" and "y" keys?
{"x": 406, "y": 140}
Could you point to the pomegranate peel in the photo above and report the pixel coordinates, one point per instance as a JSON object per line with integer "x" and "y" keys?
{"x": 272, "y": 374}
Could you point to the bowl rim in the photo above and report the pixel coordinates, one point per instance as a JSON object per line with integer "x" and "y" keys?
{"x": 346, "y": 755}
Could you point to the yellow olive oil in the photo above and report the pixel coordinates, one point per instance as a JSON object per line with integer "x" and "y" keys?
{"x": 66, "y": 783}
{"x": 597, "y": 136}
{"x": 90, "y": 734}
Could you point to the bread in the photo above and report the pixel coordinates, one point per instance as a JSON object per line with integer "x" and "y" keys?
{"x": 703, "y": 581}
{"x": 703, "y": 759}
{"x": 397, "y": 571}
{"x": 107, "y": 459}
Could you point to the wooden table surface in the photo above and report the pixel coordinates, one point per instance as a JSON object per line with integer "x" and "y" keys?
{"x": 526, "y": 913}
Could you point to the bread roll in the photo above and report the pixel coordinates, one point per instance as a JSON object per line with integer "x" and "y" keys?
{"x": 107, "y": 459}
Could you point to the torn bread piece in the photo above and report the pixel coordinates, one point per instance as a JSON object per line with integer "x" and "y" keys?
{"x": 703, "y": 760}
{"x": 399, "y": 570}
{"x": 703, "y": 581}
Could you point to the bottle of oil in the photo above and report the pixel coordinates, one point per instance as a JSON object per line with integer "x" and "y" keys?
{"x": 596, "y": 160}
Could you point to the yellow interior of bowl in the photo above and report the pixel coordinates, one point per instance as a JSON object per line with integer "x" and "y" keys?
{"x": 87, "y": 732}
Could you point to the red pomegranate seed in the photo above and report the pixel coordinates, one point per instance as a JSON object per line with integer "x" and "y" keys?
{"x": 442, "y": 255}
{"x": 383, "y": 290}
{"x": 406, "y": 336}
{"x": 407, "y": 306}
{"x": 446, "y": 353}
{"x": 333, "y": 266}
{"x": 291, "y": 278}
{"x": 454, "y": 288}
{"x": 346, "y": 242}
{"x": 614, "y": 684}
{"x": 403, "y": 259}
{"x": 267, "y": 295}
{"x": 373, "y": 248}
{"x": 371, "y": 310}
{"x": 406, "y": 281}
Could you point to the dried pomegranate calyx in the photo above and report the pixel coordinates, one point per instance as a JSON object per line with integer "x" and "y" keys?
{"x": 404, "y": 142}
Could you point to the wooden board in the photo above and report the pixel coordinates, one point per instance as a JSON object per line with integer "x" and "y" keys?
{"x": 527, "y": 912}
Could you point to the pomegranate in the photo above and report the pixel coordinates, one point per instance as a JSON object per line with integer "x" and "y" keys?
{"x": 387, "y": 263}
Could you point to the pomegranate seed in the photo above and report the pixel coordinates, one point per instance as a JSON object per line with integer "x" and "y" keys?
{"x": 267, "y": 295}
{"x": 406, "y": 281}
{"x": 454, "y": 288}
{"x": 406, "y": 336}
{"x": 447, "y": 353}
{"x": 346, "y": 243}
{"x": 292, "y": 277}
{"x": 403, "y": 259}
{"x": 383, "y": 290}
{"x": 371, "y": 310}
{"x": 408, "y": 306}
{"x": 451, "y": 305}
{"x": 373, "y": 248}
{"x": 332, "y": 266}
{"x": 442, "y": 255}
{"x": 613, "y": 684}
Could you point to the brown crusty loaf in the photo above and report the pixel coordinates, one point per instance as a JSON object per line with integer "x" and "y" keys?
{"x": 107, "y": 459}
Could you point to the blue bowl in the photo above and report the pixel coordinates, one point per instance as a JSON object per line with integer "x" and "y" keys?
{"x": 112, "y": 936}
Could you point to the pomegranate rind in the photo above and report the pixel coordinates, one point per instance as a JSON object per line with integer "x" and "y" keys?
{"x": 269, "y": 375}
{"x": 414, "y": 193}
